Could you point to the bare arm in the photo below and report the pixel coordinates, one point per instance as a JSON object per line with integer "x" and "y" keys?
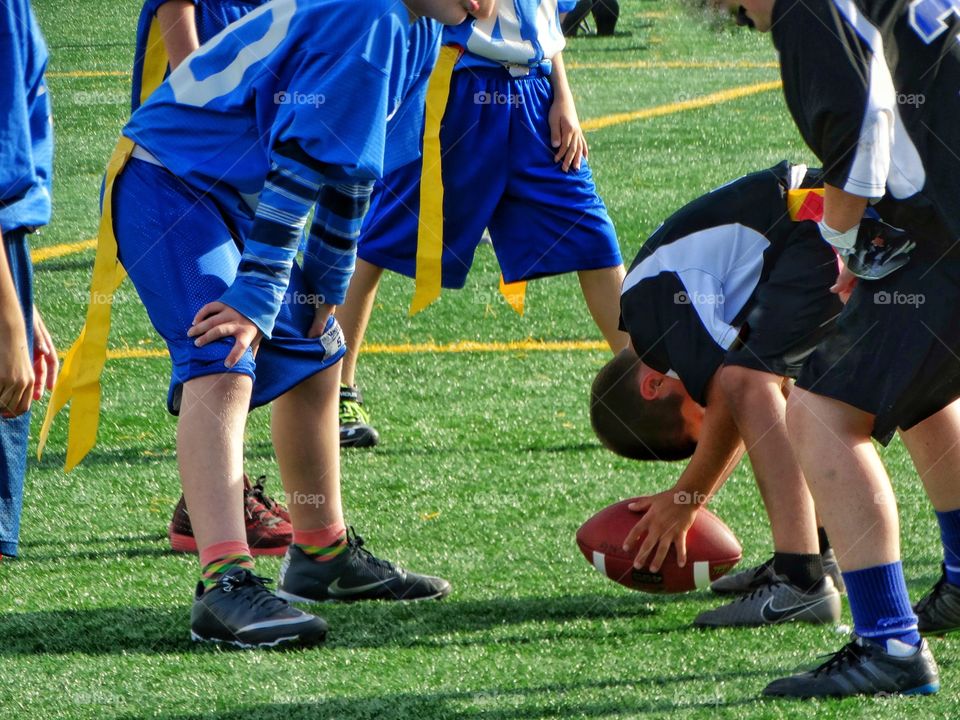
{"x": 670, "y": 514}
{"x": 841, "y": 210}
{"x": 566, "y": 136}
{"x": 16, "y": 365}
{"x": 178, "y": 23}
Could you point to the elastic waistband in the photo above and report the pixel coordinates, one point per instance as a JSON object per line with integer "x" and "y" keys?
{"x": 504, "y": 72}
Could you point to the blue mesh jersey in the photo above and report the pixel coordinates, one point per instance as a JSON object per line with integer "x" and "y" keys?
{"x": 273, "y": 80}
{"x": 520, "y": 33}
{"x": 150, "y": 64}
{"x": 26, "y": 133}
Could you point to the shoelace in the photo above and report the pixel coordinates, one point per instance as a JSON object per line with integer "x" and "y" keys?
{"x": 356, "y": 543}
{"x": 257, "y": 491}
{"x": 848, "y": 655}
{"x": 253, "y": 589}
{"x": 352, "y": 413}
{"x": 256, "y": 510}
{"x": 760, "y": 590}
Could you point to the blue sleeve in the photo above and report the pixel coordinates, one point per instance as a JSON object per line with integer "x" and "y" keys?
{"x": 331, "y": 254}
{"x": 565, "y": 6}
{"x": 16, "y": 151}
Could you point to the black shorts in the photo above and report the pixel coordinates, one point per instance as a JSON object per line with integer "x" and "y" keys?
{"x": 895, "y": 352}
{"x": 793, "y": 310}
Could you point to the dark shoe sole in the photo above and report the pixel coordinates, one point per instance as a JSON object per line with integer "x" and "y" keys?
{"x": 180, "y": 543}
{"x": 283, "y": 642}
{"x": 290, "y": 597}
{"x": 365, "y": 439}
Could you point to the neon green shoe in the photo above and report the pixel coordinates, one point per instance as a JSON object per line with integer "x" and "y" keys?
{"x": 355, "y": 428}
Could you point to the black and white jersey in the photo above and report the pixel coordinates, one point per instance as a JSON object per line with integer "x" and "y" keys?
{"x": 693, "y": 282}
{"x": 873, "y": 88}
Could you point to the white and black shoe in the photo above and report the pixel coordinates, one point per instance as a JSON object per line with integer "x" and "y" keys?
{"x": 356, "y": 574}
{"x": 241, "y": 611}
{"x": 746, "y": 581}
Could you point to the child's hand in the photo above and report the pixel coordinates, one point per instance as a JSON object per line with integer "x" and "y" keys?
{"x": 666, "y": 521}
{"x": 46, "y": 365}
{"x": 846, "y": 282}
{"x": 216, "y": 321}
{"x": 16, "y": 371}
{"x": 320, "y": 320}
{"x": 566, "y": 137}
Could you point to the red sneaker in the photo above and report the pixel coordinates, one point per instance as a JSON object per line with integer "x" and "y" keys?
{"x": 274, "y": 506}
{"x": 267, "y": 533}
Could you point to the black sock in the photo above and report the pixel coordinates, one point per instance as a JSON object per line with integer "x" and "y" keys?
{"x": 824, "y": 540}
{"x": 803, "y": 571}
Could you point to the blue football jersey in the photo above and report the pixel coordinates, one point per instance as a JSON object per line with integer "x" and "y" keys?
{"x": 212, "y": 16}
{"x": 323, "y": 76}
{"x": 26, "y": 133}
{"x": 519, "y": 33}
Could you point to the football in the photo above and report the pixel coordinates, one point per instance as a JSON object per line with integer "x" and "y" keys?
{"x": 712, "y": 550}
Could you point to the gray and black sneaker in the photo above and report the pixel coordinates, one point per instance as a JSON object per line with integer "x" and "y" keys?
{"x": 865, "y": 668}
{"x": 241, "y": 611}
{"x": 355, "y": 428}
{"x": 938, "y": 612}
{"x": 774, "y": 603}
{"x": 746, "y": 581}
{"x": 355, "y": 575}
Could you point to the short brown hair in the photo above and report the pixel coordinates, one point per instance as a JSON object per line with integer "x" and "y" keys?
{"x": 631, "y": 426}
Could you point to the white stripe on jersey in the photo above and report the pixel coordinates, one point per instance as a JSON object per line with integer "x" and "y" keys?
{"x": 719, "y": 267}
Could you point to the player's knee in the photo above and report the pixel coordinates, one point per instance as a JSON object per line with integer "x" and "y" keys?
{"x": 798, "y": 415}
{"x": 743, "y": 387}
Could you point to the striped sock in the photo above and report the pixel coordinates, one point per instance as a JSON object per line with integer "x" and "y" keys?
{"x": 322, "y": 545}
{"x": 950, "y": 535}
{"x": 217, "y": 559}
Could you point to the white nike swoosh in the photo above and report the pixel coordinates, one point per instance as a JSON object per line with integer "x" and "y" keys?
{"x": 335, "y": 589}
{"x": 781, "y": 614}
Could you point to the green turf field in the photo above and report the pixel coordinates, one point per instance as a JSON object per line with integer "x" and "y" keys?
{"x": 487, "y": 467}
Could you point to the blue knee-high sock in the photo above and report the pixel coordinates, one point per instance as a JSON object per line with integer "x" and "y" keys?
{"x": 880, "y": 605}
{"x": 950, "y": 535}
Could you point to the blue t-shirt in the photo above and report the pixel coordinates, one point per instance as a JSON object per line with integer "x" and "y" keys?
{"x": 518, "y": 33}
{"x": 324, "y": 75}
{"x": 26, "y": 133}
{"x": 212, "y": 16}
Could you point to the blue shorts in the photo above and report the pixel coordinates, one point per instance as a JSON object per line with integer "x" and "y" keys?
{"x": 498, "y": 173}
{"x": 180, "y": 254}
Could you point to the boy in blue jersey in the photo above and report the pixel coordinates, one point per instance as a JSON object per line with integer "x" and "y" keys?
{"x": 509, "y": 156}
{"x": 167, "y": 32}
{"x": 287, "y": 115}
{"x": 28, "y": 360}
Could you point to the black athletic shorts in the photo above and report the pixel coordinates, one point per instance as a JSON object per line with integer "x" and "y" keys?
{"x": 793, "y": 310}
{"x": 895, "y": 352}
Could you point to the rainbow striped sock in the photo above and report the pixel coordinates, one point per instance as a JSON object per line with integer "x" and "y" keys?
{"x": 215, "y": 569}
{"x": 325, "y": 553}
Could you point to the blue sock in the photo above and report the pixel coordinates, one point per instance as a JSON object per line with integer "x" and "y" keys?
{"x": 880, "y": 605}
{"x": 950, "y": 535}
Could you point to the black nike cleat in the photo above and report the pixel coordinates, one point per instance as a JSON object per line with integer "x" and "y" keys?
{"x": 775, "y": 603}
{"x": 354, "y": 575}
{"x": 938, "y": 612}
{"x": 355, "y": 428}
{"x": 865, "y": 668}
{"x": 241, "y": 611}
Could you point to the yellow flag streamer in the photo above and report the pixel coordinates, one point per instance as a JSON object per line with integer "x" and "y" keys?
{"x": 430, "y": 225}
{"x": 514, "y": 294}
{"x": 79, "y": 381}
{"x": 155, "y": 62}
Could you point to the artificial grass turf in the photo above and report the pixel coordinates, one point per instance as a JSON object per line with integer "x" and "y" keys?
{"x": 487, "y": 468}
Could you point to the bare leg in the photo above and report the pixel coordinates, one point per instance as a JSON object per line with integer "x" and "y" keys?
{"x": 354, "y": 314}
{"x": 213, "y": 414}
{"x": 759, "y": 410}
{"x": 307, "y": 442}
{"x": 934, "y": 446}
{"x": 601, "y": 290}
{"x": 846, "y": 478}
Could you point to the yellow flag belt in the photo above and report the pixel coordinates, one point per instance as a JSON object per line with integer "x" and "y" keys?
{"x": 79, "y": 381}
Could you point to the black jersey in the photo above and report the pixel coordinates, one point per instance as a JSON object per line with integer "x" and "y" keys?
{"x": 695, "y": 279}
{"x": 873, "y": 88}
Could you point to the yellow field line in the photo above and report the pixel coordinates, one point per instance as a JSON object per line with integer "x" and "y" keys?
{"x": 703, "y": 101}
{"x": 48, "y": 253}
{"x": 42, "y": 254}
{"x": 460, "y": 346}
{"x": 673, "y": 65}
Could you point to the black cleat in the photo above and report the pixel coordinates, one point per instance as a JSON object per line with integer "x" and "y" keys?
{"x": 864, "y": 668}
{"x": 241, "y": 611}
{"x": 355, "y": 428}
{"x": 938, "y": 612}
{"x": 354, "y": 575}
